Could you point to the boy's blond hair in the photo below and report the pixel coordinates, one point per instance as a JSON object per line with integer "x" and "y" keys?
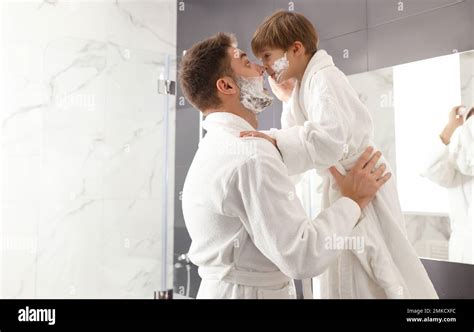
{"x": 282, "y": 29}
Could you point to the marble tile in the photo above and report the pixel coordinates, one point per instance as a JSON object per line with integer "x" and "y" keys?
{"x": 83, "y": 142}
{"x": 375, "y": 89}
{"x": 70, "y": 237}
{"x": 19, "y": 249}
{"x": 132, "y": 256}
{"x": 429, "y": 234}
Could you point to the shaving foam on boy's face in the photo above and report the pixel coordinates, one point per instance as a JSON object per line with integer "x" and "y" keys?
{"x": 280, "y": 66}
{"x": 252, "y": 93}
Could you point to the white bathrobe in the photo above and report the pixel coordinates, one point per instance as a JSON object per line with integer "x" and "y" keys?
{"x": 250, "y": 234}
{"x": 326, "y": 124}
{"x": 452, "y": 167}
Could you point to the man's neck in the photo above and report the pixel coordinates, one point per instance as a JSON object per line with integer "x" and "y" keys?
{"x": 245, "y": 114}
{"x": 248, "y": 116}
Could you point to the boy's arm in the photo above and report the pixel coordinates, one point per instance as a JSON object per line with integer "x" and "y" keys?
{"x": 314, "y": 145}
{"x": 287, "y": 117}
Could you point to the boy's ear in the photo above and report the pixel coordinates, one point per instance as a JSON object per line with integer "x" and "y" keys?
{"x": 226, "y": 85}
{"x": 298, "y": 48}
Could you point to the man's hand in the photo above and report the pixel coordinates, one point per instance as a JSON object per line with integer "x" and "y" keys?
{"x": 282, "y": 90}
{"x": 455, "y": 120}
{"x": 259, "y": 134}
{"x": 363, "y": 181}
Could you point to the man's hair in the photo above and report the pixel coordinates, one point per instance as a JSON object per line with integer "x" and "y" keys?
{"x": 282, "y": 29}
{"x": 202, "y": 65}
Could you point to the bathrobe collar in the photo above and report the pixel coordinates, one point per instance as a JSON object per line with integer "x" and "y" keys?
{"x": 320, "y": 60}
{"x": 226, "y": 121}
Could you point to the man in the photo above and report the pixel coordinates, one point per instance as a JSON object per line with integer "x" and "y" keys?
{"x": 250, "y": 234}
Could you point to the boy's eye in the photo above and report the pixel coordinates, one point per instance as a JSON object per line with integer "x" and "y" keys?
{"x": 247, "y": 64}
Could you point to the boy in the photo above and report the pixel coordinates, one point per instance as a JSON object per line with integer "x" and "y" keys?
{"x": 324, "y": 124}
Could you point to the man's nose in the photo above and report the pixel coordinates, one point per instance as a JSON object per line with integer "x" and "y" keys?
{"x": 266, "y": 68}
{"x": 261, "y": 69}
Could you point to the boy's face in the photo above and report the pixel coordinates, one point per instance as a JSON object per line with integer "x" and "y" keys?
{"x": 268, "y": 58}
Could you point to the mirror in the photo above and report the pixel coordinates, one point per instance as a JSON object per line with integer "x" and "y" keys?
{"x": 410, "y": 105}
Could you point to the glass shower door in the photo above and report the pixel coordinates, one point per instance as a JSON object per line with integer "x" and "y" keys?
{"x": 106, "y": 169}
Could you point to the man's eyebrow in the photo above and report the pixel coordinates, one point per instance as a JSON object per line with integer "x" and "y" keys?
{"x": 242, "y": 54}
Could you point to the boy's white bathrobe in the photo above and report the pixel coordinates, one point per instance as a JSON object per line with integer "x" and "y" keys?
{"x": 326, "y": 124}
{"x": 452, "y": 167}
{"x": 249, "y": 231}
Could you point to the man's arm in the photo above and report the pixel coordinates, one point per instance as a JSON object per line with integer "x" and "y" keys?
{"x": 262, "y": 195}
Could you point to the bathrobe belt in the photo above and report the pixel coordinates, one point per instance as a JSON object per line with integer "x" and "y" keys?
{"x": 246, "y": 278}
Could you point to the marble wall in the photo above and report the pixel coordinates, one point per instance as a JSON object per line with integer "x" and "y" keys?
{"x": 83, "y": 148}
{"x": 375, "y": 90}
{"x": 429, "y": 234}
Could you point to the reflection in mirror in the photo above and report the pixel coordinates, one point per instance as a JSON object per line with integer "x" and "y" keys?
{"x": 421, "y": 129}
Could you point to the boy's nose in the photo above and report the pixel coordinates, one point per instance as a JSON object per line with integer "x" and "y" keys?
{"x": 269, "y": 71}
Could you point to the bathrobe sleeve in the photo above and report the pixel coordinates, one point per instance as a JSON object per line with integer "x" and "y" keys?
{"x": 287, "y": 117}
{"x": 315, "y": 144}
{"x": 263, "y": 197}
{"x": 462, "y": 150}
{"x": 449, "y": 163}
{"x": 288, "y": 120}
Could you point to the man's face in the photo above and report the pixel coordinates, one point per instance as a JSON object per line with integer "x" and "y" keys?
{"x": 250, "y": 82}
{"x": 241, "y": 65}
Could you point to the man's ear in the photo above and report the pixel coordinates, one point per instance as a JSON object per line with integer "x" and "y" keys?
{"x": 226, "y": 85}
{"x": 298, "y": 48}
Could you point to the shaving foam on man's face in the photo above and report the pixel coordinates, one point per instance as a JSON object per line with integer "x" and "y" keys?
{"x": 252, "y": 93}
{"x": 249, "y": 79}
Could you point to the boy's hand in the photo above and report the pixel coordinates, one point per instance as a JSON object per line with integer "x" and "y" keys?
{"x": 259, "y": 134}
{"x": 282, "y": 90}
{"x": 363, "y": 181}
